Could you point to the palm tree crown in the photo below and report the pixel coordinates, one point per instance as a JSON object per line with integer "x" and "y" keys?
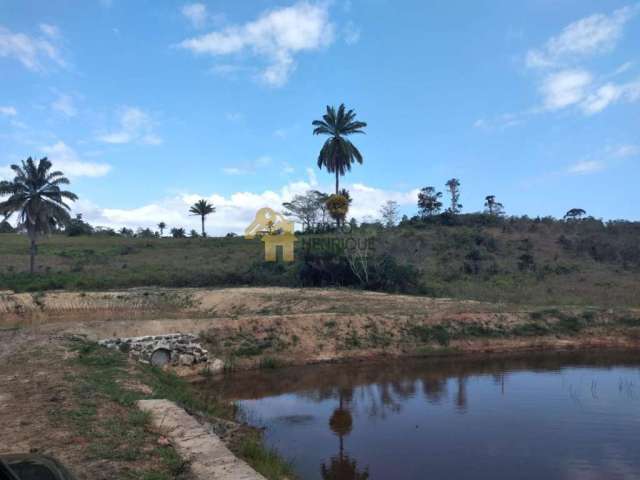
{"x": 36, "y": 195}
{"x": 202, "y": 208}
{"x": 338, "y": 153}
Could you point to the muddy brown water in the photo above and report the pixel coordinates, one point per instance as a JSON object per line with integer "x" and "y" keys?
{"x": 551, "y": 416}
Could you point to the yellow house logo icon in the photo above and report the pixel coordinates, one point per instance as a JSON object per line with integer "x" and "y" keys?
{"x": 275, "y": 231}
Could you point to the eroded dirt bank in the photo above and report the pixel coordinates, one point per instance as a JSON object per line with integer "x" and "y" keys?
{"x": 267, "y": 327}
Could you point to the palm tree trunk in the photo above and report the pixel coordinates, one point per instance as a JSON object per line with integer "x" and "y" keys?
{"x": 32, "y": 256}
{"x": 337, "y": 190}
{"x": 203, "y": 226}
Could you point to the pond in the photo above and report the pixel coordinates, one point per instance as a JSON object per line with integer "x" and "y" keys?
{"x": 551, "y": 416}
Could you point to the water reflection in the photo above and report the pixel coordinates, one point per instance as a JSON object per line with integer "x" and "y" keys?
{"x": 341, "y": 466}
{"x": 552, "y": 416}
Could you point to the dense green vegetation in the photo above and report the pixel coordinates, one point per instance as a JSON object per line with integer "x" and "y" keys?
{"x": 477, "y": 256}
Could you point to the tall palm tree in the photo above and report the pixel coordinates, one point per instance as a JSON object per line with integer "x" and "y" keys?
{"x": 338, "y": 153}
{"x": 202, "y": 208}
{"x": 162, "y": 226}
{"x": 36, "y": 196}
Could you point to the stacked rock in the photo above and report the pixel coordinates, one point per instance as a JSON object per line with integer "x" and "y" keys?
{"x": 160, "y": 350}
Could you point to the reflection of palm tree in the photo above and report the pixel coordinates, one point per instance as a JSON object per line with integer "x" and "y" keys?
{"x": 341, "y": 467}
{"x": 461, "y": 397}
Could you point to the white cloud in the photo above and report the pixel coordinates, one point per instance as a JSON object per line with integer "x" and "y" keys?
{"x": 233, "y": 212}
{"x": 66, "y": 159}
{"x": 610, "y": 93}
{"x": 351, "y": 33}
{"x": 65, "y": 105}
{"x": 5, "y": 173}
{"x": 565, "y": 88}
{"x": 234, "y": 171}
{"x": 135, "y": 126}
{"x": 367, "y": 200}
{"x": 8, "y": 111}
{"x": 588, "y": 36}
{"x": 248, "y": 168}
{"x": 501, "y": 122}
{"x": 586, "y": 167}
{"x": 605, "y": 158}
{"x": 625, "y": 151}
{"x": 49, "y": 30}
{"x": 234, "y": 116}
{"x": 277, "y": 36}
{"x": 33, "y": 53}
{"x": 196, "y": 13}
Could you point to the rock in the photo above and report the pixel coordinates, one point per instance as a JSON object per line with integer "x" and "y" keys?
{"x": 186, "y": 360}
{"x": 215, "y": 365}
{"x": 161, "y": 350}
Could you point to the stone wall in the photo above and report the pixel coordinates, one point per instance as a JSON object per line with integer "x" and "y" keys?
{"x": 172, "y": 349}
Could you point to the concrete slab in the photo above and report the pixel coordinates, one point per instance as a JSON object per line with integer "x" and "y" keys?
{"x": 208, "y": 456}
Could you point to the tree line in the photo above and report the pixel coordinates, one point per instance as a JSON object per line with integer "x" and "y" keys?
{"x": 38, "y": 196}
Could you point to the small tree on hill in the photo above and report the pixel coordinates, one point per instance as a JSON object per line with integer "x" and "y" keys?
{"x": 453, "y": 186}
{"x": 161, "y": 227}
{"x": 202, "y": 208}
{"x": 178, "y": 233}
{"x": 575, "y": 214}
{"x": 429, "y": 201}
{"x": 389, "y": 213}
{"x": 492, "y": 206}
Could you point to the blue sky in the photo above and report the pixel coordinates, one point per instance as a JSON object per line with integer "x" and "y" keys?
{"x": 150, "y": 105}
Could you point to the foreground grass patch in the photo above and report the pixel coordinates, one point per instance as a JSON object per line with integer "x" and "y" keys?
{"x": 104, "y": 414}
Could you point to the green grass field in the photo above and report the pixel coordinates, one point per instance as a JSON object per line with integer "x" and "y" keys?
{"x": 528, "y": 262}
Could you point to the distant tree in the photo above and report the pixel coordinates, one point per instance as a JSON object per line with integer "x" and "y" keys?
{"x": 105, "y": 231}
{"x": 338, "y": 153}
{"x": 322, "y": 198}
{"x": 338, "y": 207}
{"x": 178, "y": 233}
{"x": 575, "y": 214}
{"x": 35, "y": 195}
{"x": 145, "y": 233}
{"x": 453, "y": 186}
{"x": 125, "y": 232}
{"x": 193, "y": 234}
{"x": 429, "y": 201}
{"x": 492, "y": 206}
{"x": 202, "y": 208}
{"x": 389, "y": 213}
{"x": 306, "y": 209}
{"x": 161, "y": 227}
{"x": 77, "y": 226}
{"x": 5, "y": 226}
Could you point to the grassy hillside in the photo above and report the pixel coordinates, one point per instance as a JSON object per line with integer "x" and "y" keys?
{"x": 511, "y": 260}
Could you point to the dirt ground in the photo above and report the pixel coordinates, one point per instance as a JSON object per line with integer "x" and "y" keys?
{"x": 257, "y": 327}
{"x": 36, "y": 389}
